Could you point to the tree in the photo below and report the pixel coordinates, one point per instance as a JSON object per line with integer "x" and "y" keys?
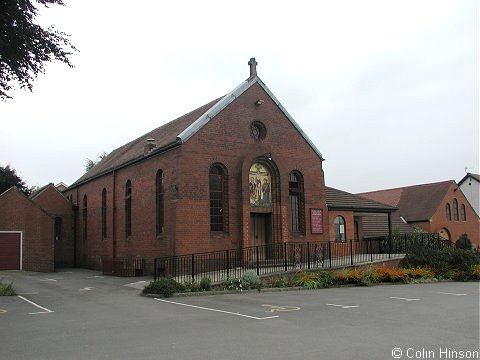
{"x": 9, "y": 178}
{"x": 25, "y": 47}
{"x": 89, "y": 163}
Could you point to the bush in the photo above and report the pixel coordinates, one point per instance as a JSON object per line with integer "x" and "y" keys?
{"x": 206, "y": 284}
{"x": 325, "y": 279}
{"x": 370, "y": 276}
{"x": 7, "y": 289}
{"x": 348, "y": 276}
{"x": 232, "y": 284}
{"x": 280, "y": 282}
{"x": 190, "y": 286}
{"x": 250, "y": 280}
{"x": 166, "y": 286}
{"x": 463, "y": 242}
{"x": 308, "y": 280}
{"x": 445, "y": 262}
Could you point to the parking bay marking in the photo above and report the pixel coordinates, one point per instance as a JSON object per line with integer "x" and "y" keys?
{"x": 217, "y": 310}
{"x": 447, "y": 293}
{"x": 2, "y": 311}
{"x": 344, "y": 306}
{"x": 274, "y": 308}
{"x": 45, "y": 310}
{"x": 402, "y": 298}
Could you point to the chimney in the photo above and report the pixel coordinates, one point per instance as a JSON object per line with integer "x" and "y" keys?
{"x": 149, "y": 146}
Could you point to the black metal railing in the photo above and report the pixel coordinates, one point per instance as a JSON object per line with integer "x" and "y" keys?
{"x": 268, "y": 259}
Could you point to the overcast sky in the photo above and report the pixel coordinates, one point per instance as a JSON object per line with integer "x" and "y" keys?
{"x": 386, "y": 90}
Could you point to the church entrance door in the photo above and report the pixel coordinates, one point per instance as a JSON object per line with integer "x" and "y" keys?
{"x": 261, "y": 231}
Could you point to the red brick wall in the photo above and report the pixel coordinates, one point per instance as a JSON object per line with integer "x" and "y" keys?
{"x": 349, "y": 223}
{"x": 18, "y": 213}
{"x": 455, "y": 227}
{"x": 55, "y": 204}
{"x": 225, "y": 139}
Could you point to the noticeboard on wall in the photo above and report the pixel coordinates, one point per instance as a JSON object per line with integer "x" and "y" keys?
{"x": 316, "y": 221}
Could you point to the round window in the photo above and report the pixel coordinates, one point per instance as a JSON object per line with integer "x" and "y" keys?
{"x": 258, "y": 130}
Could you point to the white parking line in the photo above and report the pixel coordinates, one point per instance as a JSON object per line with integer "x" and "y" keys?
{"x": 344, "y": 306}
{"x": 402, "y": 298}
{"x": 45, "y": 310}
{"x": 447, "y": 293}
{"x": 217, "y": 310}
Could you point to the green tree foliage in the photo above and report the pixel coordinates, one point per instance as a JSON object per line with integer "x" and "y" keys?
{"x": 9, "y": 178}
{"x": 25, "y": 47}
{"x": 89, "y": 163}
{"x": 463, "y": 242}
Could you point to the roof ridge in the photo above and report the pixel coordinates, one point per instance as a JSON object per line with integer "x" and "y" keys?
{"x": 406, "y": 187}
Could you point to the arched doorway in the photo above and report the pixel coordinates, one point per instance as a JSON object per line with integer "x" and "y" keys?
{"x": 264, "y": 204}
{"x": 444, "y": 234}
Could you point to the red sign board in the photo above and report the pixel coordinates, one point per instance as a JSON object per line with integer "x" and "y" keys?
{"x": 316, "y": 219}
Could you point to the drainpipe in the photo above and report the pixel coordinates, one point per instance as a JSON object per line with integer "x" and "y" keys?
{"x": 114, "y": 221}
{"x": 75, "y": 228}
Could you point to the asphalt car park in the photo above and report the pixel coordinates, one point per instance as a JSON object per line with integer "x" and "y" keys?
{"x": 81, "y": 314}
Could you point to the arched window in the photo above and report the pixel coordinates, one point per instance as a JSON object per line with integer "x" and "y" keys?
{"x": 296, "y": 200}
{"x": 455, "y": 209}
{"x": 159, "y": 201}
{"x": 448, "y": 213}
{"x": 104, "y": 213}
{"x": 464, "y": 213}
{"x": 128, "y": 209}
{"x": 217, "y": 179}
{"x": 340, "y": 231}
{"x": 84, "y": 217}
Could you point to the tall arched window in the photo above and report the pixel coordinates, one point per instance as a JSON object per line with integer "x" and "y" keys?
{"x": 463, "y": 213}
{"x": 84, "y": 217}
{"x": 340, "y": 230}
{"x": 455, "y": 209}
{"x": 128, "y": 208}
{"x": 217, "y": 179}
{"x": 448, "y": 213}
{"x": 104, "y": 213}
{"x": 296, "y": 200}
{"x": 159, "y": 201}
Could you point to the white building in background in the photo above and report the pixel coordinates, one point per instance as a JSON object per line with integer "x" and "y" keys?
{"x": 470, "y": 186}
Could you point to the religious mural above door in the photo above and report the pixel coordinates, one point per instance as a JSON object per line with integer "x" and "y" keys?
{"x": 259, "y": 186}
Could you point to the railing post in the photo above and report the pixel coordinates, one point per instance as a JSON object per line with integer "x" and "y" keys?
{"x": 351, "y": 252}
{"x": 308, "y": 255}
{"x": 329, "y": 254}
{"x": 155, "y": 269}
{"x": 389, "y": 246}
{"x": 285, "y": 256}
{"x": 371, "y": 250}
{"x": 258, "y": 262}
{"x": 193, "y": 267}
{"x": 228, "y": 264}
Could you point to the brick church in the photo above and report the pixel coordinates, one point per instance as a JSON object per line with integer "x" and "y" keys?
{"x": 236, "y": 172}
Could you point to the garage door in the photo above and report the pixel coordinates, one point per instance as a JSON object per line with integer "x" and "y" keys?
{"x": 10, "y": 250}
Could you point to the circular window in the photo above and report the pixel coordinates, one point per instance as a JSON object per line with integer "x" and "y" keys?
{"x": 258, "y": 130}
